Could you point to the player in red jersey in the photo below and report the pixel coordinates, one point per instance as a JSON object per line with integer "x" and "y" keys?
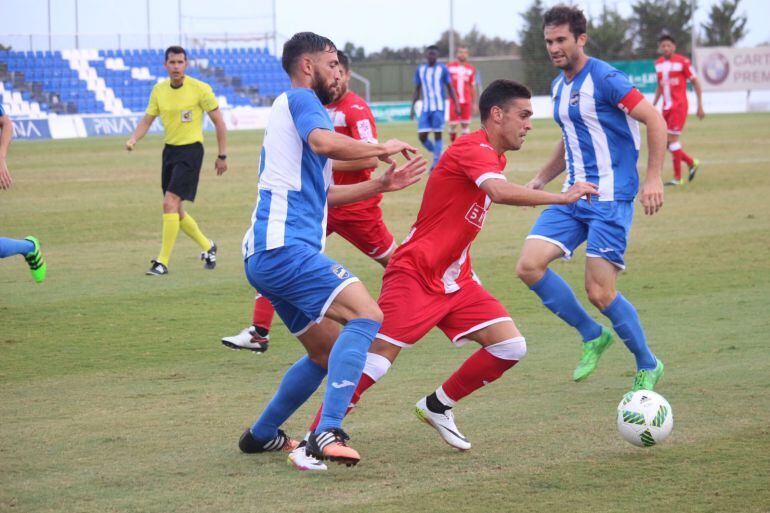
{"x": 465, "y": 81}
{"x": 360, "y": 223}
{"x": 673, "y": 71}
{"x": 429, "y": 281}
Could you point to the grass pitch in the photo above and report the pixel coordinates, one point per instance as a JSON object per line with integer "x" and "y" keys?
{"x": 116, "y": 395}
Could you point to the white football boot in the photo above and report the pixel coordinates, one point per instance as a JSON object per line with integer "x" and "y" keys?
{"x": 249, "y": 339}
{"x": 444, "y": 423}
{"x": 301, "y": 460}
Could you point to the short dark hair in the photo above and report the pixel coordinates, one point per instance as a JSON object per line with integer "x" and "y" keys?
{"x": 302, "y": 43}
{"x": 344, "y": 60}
{"x": 176, "y": 50}
{"x": 500, "y": 92}
{"x": 431, "y": 47}
{"x": 566, "y": 15}
{"x": 666, "y": 37}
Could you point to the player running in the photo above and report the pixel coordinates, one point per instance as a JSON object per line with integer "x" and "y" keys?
{"x": 466, "y": 84}
{"x": 597, "y": 109}
{"x": 283, "y": 249}
{"x": 359, "y": 223}
{"x": 673, "y": 71}
{"x": 29, "y": 247}
{"x": 429, "y": 281}
{"x": 429, "y": 82}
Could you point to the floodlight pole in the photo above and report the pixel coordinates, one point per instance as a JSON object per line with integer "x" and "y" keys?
{"x": 452, "y": 28}
{"x": 275, "y": 32}
{"x": 50, "y": 47}
{"x": 693, "y": 34}
{"x": 77, "y": 26}
{"x": 149, "y": 43}
{"x": 179, "y": 12}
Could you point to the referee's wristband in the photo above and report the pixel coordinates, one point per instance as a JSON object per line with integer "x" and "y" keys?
{"x": 222, "y": 157}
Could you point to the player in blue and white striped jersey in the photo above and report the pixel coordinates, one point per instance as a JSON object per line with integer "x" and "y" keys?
{"x": 283, "y": 249}
{"x": 430, "y": 80}
{"x": 597, "y": 108}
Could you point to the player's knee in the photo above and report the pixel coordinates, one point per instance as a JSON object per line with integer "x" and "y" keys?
{"x": 511, "y": 349}
{"x": 320, "y": 359}
{"x": 369, "y": 310}
{"x": 600, "y": 296}
{"x": 529, "y": 271}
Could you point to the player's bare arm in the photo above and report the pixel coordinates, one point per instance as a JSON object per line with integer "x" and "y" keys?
{"x": 415, "y": 97}
{"x": 220, "y": 164}
{"x": 503, "y": 192}
{"x": 699, "y": 95}
{"x": 551, "y": 169}
{"x": 340, "y": 147}
{"x": 453, "y": 96}
{"x": 354, "y": 165}
{"x": 652, "y": 189}
{"x": 658, "y": 94}
{"x": 6, "y": 133}
{"x": 140, "y": 131}
{"x": 393, "y": 179}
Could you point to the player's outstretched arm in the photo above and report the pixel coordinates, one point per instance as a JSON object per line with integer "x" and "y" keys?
{"x": 506, "y": 193}
{"x": 140, "y": 131}
{"x": 354, "y": 165}
{"x": 652, "y": 189}
{"x": 393, "y": 179}
{"x": 6, "y": 133}
{"x": 341, "y": 147}
{"x": 552, "y": 168}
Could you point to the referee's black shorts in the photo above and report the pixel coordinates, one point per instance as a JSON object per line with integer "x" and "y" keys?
{"x": 181, "y": 169}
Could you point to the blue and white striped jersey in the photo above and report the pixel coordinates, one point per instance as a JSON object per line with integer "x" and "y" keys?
{"x": 433, "y": 81}
{"x": 601, "y": 141}
{"x": 293, "y": 180}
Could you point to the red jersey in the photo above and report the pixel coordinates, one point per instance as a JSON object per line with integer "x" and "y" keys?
{"x": 673, "y": 75}
{"x": 451, "y": 215}
{"x": 463, "y": 77}
{"x": 351, "y": 116}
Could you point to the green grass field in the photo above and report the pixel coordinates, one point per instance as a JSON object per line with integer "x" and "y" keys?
{"x": 116, "y": 395}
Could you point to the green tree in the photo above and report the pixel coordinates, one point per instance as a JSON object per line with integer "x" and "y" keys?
{"x": 725, "y": 27}
{"x": 478, "y": 44}
{"x": 608, "y": 36}
{"x": 537, "y": 66}
{"x": 652, "y": 18}
{"x": 356, "y": 53}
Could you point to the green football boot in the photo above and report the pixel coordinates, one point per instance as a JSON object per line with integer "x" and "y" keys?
{"x": 646, "y": 379}
{"x": 592, "y": 351}
{"x": 693, "y": 170}
{"x": 35, "y": 260}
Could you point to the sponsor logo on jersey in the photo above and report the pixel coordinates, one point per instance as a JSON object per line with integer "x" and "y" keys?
{"x": 476, "y": 215}
{"x": 187, "y": 116}
{"x": 340, "y": 272}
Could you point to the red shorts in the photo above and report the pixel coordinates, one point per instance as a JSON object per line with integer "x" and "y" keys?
{"x": 410, "y": 311}
{"x": 365, "y": 229}
{"x": 465, "y": 113}
{"x": 675, "y": 119}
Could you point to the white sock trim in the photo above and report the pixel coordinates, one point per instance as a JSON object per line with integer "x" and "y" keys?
{"x": 674, "y": 146}
{"x": 445, "y": 400}
{"x": 376, "y": 366}
{"x": 511, "y": 349}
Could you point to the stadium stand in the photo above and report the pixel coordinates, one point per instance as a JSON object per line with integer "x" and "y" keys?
{"x": 39, "y": 83}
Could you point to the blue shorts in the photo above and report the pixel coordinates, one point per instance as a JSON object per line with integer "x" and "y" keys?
{"x": 432, "y": 121}
{"x": 605, "y": 226}
{"x": 300, "y": 282}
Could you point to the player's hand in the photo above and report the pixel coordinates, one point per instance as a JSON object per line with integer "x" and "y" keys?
{"x": 701, "y": 113}
{"x": 396, "y": 179}
{"x": 221, "y": 166}
{"x": 5, "y": 175}
{"x": 581, "y": 190}
{"x": 536, "y": 184}
{"x": 130, "y": 144}
{"x": 652, "y": 196}
{"x": 394, "y": 146}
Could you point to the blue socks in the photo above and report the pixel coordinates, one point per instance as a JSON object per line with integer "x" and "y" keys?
{"x": 626, "y": 323}
{"x": 11, "y": 247}
{"x": 428, "y": 145}
{"x": 437, "y": 146}
{"x": 558, "y": 297}
{"x": 298, "y": 384}
{"x": 346, "y": 362}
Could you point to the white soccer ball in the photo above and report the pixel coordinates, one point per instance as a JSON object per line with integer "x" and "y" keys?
{"x": 644, "y": 418}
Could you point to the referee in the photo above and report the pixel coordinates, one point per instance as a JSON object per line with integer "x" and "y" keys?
{"x": 180, "y": 102}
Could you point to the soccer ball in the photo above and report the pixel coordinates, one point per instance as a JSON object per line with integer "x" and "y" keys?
{"x": 644, "y": 418}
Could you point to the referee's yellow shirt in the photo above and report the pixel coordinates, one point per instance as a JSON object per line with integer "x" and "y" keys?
{"x": 181, "y": 110}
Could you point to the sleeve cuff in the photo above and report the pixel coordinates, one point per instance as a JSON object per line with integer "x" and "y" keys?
{"x": 489, "y": 176}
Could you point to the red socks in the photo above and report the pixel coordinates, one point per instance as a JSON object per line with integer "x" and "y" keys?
{"x": 480, "y": 369}
{"x": 263, "y": 313}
